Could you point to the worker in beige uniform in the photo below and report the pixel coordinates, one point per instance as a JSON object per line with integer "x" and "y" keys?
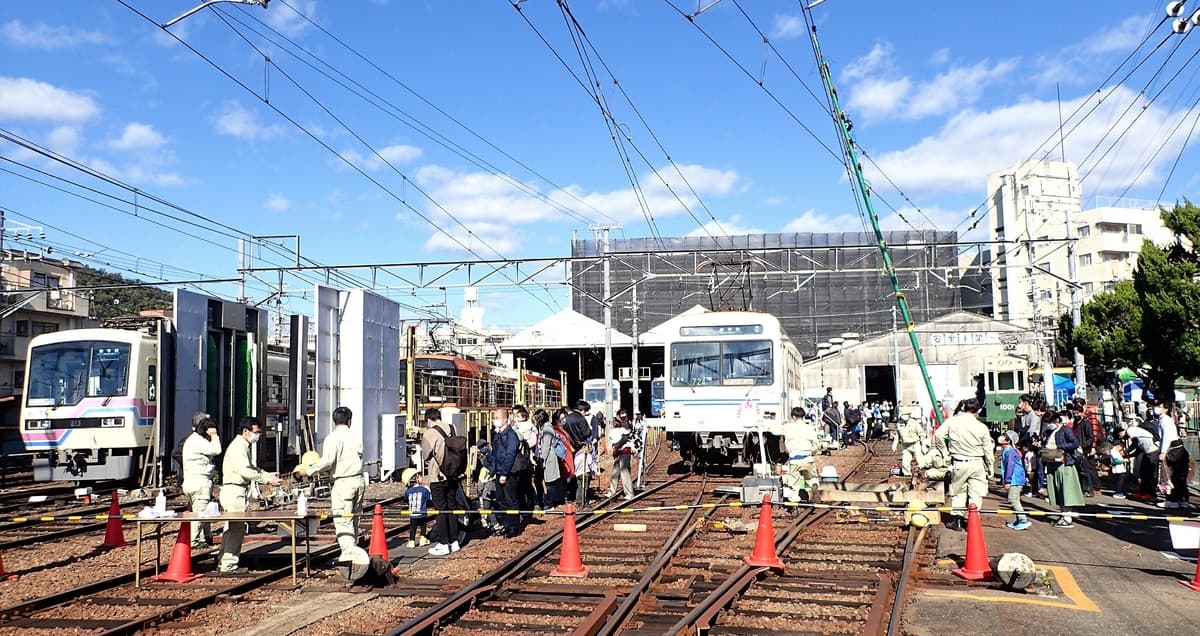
{"x": 802, "y": 441}
{"x": 237, "y": 473}
{"x": 971, "y": 450}
{"x": 198, "y": 457}
{"x": 341, "y": 455}
{"x": 910, "y": 439}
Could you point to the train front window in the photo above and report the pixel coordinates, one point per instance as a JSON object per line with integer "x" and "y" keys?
{"x": 746, "y": 362}
{"x": 1006, "y": 381}
{"x": 695, "y": 363}
{"x": 64, "y": 373}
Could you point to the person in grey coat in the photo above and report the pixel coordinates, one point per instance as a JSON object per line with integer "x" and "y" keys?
{"x": 552, "y": 470}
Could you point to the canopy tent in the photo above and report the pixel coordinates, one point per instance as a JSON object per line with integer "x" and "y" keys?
{"x": 1136, "y": 391}
{"x": 1125, "y": 374}
{"x": 1064, "y": 389}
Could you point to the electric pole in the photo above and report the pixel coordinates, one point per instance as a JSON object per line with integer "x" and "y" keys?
{"x": 602, "y": 236}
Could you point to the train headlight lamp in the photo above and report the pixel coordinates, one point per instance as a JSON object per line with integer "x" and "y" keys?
{"x": 110, "y": 422}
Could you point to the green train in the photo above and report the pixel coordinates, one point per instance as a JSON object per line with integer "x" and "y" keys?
{"x": 1003, "y": 381}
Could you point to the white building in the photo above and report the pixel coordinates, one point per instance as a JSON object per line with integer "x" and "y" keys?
{"x": 1029, "y": 207}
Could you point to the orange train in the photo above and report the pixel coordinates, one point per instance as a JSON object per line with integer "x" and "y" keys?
{"x": 474, "y": 387}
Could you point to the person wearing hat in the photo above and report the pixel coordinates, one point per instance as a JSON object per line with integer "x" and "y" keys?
{"x": 418, "y": 507}
{"x": 910, "y": 438}
{"x": 1012, "y": 468}
{"x": 341, "y": 456}
{"x": 969, "y": 445}
{"x": 199, "y": 454}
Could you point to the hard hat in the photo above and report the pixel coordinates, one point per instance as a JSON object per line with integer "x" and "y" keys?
{"x": 308, "y": 459}
{"x": 407, "y": 475}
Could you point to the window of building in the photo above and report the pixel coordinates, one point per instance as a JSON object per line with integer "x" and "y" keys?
{"x": 1111, "y": 228}
{"x": 1087, "y": 288}
{"x": 44, "y": 281}
{"x": 1085, "y": 259}
{"x": 1109, "y": 285}
{"x": 1113, "y": 256}
{"x": 1135, "y": 228}
{"x": 38, "y": 328}
{"x": 1085, "y": 231}
{"x": 23, "y": 328}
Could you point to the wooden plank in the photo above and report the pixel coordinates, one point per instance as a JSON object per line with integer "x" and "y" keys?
{"x": 299, "y": 616}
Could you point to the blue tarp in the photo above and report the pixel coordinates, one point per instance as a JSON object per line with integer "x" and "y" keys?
{"x": 1064, "y": 389}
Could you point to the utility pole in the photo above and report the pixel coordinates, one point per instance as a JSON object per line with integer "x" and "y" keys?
{"x": 1044, "y": 348}
{"x": 602, "y": 236}
{"x": 1080, "y": 371}
{"x": 637, "y": 371}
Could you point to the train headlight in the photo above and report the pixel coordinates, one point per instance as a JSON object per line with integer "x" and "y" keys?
{"x": 110, "y": 422}
{"x": 37, "y": 425}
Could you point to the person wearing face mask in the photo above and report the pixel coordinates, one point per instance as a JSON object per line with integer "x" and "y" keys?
{"x": 238, "y": 472}
{"x": 1062, "y": 477}
{"x": 505, "y": 463}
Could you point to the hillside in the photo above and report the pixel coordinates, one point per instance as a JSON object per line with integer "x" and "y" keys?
{"x": 116, "y": 303}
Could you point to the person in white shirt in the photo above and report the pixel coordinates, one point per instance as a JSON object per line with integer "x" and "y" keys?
{"x": 200, "y": 451}
{"x": 1173, "y": 455}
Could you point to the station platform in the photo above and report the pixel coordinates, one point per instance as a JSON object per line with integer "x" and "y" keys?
{"x": 1108, "y": 577}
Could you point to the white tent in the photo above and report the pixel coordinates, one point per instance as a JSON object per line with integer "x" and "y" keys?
{"x": 657, "y": 336}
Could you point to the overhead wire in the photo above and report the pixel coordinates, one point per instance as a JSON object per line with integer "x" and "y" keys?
{"x": 309, "y": 133}
{"x": 442, "y": 111}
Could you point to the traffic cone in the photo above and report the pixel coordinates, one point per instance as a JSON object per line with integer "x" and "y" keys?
{"x": 1194, "y": 583}
{"x": 114, "y": 532}
{"x": 570, "y": 563}
{"x": 976, "y": 567}
{"x": 378, "y": 545}
{"x": 764, "y": 540}
{"x": 179, "y": 570}
{"x": 5, "y": 576}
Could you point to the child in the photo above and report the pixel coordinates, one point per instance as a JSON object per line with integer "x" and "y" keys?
{"x": 1116, "y": 457}
{"x": 418, "y": 507}
{"x": 1014, "y": 479}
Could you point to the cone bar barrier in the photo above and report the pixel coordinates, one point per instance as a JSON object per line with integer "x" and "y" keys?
{"x": 378, "y": 546}
{"x": 764, "y": 540}
{"x": 114, "y": 532}
{"x": 179, "y": 570}
{"x": 570, "y": 563}
{"x": 976, "y": 567}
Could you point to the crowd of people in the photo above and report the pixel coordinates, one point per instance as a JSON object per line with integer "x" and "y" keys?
{"x": 533, "y": 461}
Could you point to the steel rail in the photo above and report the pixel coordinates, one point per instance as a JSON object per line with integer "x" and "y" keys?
{"x": 915, "y": 541}
{"x": 427, "y": 621}
{"x": 683, "y": 532}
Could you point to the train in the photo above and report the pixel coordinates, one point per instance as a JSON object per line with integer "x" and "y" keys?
{"x": 1001, "y": 384}
{"x": 656, "y": 396}
{"x": 731, "y": 375}
{"x": 92, "y": 398}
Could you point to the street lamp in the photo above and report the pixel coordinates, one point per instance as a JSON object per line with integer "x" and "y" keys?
{"x": 205, "y": 5}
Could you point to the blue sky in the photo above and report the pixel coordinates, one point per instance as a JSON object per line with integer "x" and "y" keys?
{"x": 940, "y": 95}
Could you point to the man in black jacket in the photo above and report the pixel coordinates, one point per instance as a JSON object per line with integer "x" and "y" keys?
{"x": 579, "y": 429}
{"x": 1088, "y": 477}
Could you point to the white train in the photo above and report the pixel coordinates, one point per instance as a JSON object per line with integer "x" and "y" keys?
{"x": 729, "y": 375}
{"x": 91, "y": 399}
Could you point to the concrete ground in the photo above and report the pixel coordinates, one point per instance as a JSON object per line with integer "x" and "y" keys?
{"x": 1112, "y": 577}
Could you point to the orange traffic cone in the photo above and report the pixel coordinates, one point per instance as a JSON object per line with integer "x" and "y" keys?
{"x": 5, "y": 576}
{"x": 378, "y": 545}
{"x": 570, "y": 563}
{"x": 764, "y": 540}
{"x": 114, "y": 532}
{"x": 1194, "y": 583}
{"x": 976, "y": 567}
{"x": 179, "y": 570}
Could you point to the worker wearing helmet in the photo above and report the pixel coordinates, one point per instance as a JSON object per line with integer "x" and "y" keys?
{"x": 237, "y": 473}
{"x": 199, "y": 453}
{"x": 910, "y": 439}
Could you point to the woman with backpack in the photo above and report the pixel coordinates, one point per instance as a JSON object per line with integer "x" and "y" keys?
{"x": 549, "y": 449}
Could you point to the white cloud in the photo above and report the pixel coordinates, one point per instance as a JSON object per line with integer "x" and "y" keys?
{"x": 812, "y": 221}
{"x": 731, "y": 227}
{"x": 787, "y": 26}
{"x": 64, "y": 139}
{"x": 277, "y": 203}
{"x": 145, "y": 171}
{"x": 484, "y": 239}
{"x": 955, "y": 88}
{"x": 180, "y": 29}
{"x": 973, "y": 144}
{"x": 1123, "y": 37}
{"x": 24, "y": 98}
{"x": 285, "y": 20}
{"x": 47, "y": 37}
{"x": 138, "y": 137}
{"x": 478, "y": 199}
{"x": 876, "y": 98}
{"x": 238, "y": 121}
{"x": 394, "y": 155}
{"x": 940, "y": 56}
{"x": 879, "y": 58}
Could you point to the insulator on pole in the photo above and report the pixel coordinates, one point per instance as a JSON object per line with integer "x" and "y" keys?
{"x": 1181, "y": 26}
{"x": 1175, "y": 9}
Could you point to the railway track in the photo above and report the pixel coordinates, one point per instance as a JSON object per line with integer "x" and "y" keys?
{"x": 113, "y": 606}
{"x": 686, "y": 573}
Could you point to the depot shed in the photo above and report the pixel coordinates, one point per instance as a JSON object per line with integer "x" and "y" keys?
{"x": 955, "y": 347}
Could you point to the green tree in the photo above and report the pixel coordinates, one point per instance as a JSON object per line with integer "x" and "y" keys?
{"x": 1110, "y": 331}
{"x": 1169, "y": 294}
{"x": 122, "y": 302}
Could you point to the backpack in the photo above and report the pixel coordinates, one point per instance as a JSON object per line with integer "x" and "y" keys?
{"x": 453, "y": 463}
{"x": 560, "y": 449}
{"x": 177, "y": 455}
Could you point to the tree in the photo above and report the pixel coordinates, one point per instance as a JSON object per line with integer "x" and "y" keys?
{"x": 1110, "y": 331}
{"x": 1169, "y": 294}
{"x": 125, "y": 301}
